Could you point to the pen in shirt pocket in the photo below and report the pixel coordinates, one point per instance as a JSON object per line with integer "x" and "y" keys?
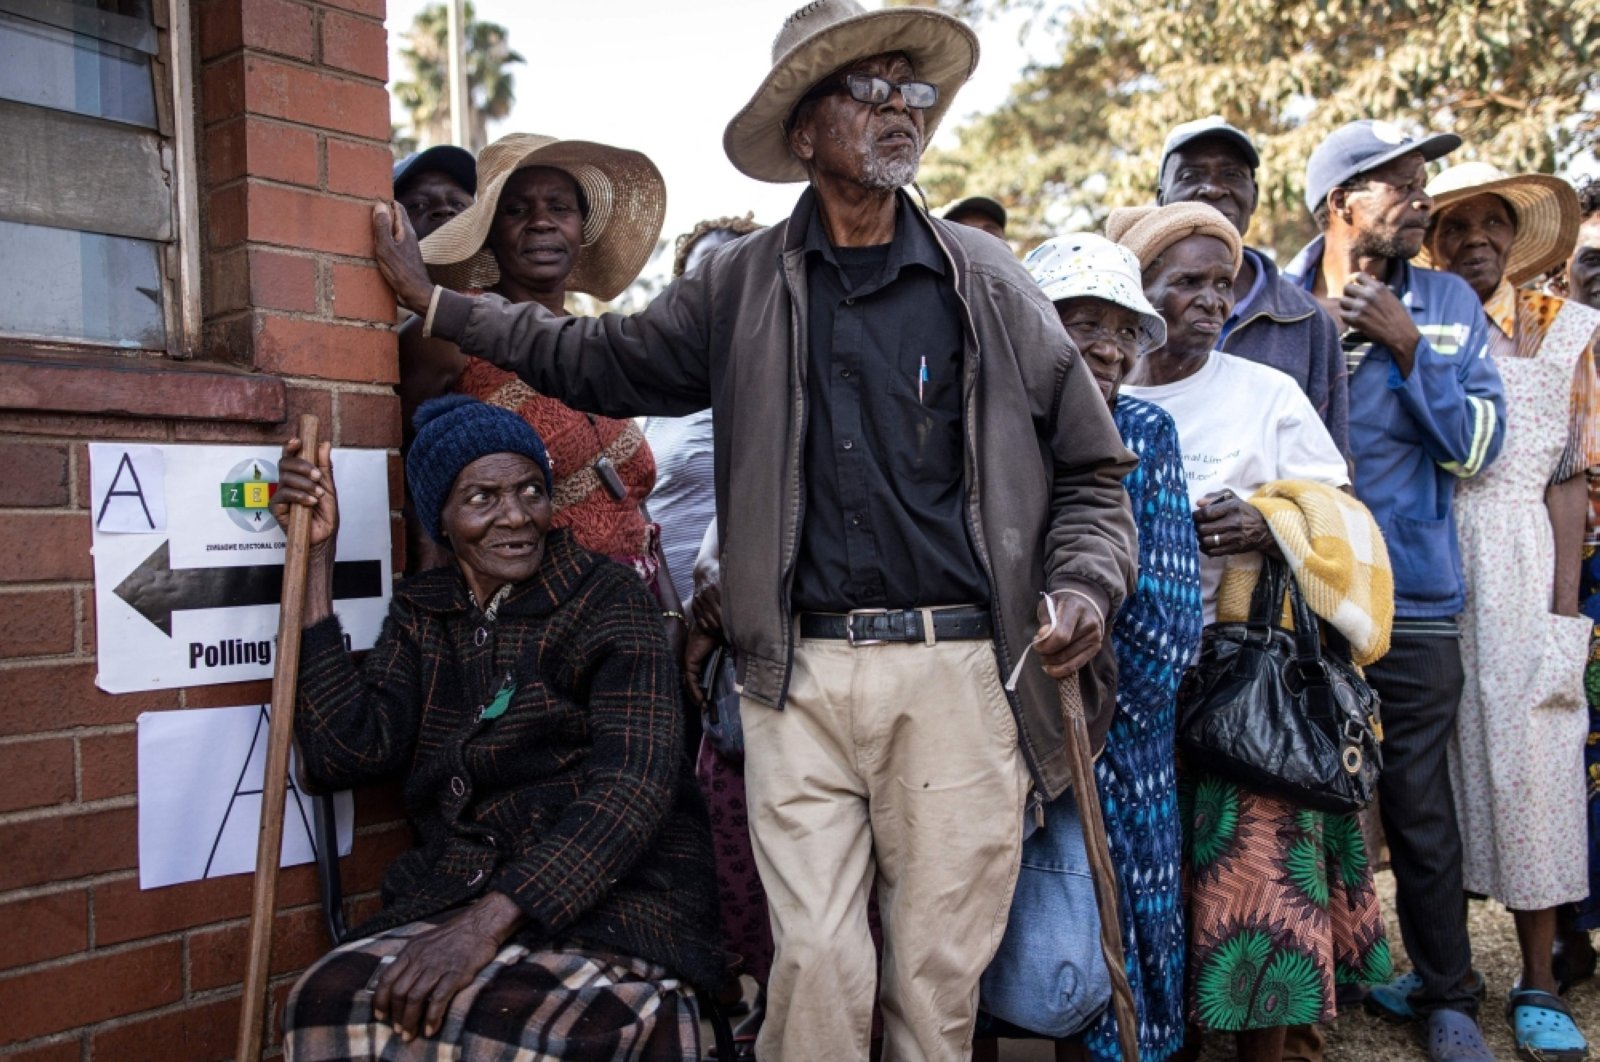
{"x": 922, "y": 376}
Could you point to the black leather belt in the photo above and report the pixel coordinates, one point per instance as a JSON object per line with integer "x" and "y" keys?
{"x": 873, "y": 626}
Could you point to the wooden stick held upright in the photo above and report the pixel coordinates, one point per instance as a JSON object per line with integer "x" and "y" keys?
{"x": 280, "y": 732}
{"x": 1087, "y": 796}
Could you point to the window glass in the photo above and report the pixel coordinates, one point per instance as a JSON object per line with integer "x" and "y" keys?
{"x": 61, "y": 284}
{"x": 48, "y": 66}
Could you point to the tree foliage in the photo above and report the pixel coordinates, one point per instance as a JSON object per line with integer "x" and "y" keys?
{"x": 1083, "y": 133}
{"x": 491, "y": 87}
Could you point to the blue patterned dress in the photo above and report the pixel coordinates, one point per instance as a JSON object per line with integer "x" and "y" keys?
{"x": 1155, "y": 636}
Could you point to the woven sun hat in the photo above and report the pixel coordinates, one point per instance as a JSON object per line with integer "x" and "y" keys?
{"x": 825, "y": 36}
{"x": 1084, "y": 265}
{"x": 627, "y": 201}
{"x": 1545, "y": 209}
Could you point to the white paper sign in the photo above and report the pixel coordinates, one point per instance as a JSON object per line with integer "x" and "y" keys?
{"x": 198, "y": 604}
{"x": 126, "y": 489}
{"x": 200, "y": 777}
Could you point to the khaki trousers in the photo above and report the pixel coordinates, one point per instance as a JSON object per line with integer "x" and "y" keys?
{"x": 900, "y": 762}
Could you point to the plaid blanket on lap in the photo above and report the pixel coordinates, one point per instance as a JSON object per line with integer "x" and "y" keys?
{"x": 525, "y": 1006}
{"x": 1337, "y": 555}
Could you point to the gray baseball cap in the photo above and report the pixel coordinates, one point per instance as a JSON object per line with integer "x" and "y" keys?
{"x": 1212, "y": 125}
{"x": 1359, "y": 146}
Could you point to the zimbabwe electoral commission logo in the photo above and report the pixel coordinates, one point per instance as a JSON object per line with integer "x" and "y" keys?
{"x": 247, "y": 493}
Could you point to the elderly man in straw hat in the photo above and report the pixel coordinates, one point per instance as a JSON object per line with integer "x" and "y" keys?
{"x": 909, "y": 450}
{"x": 1516, "y": 761}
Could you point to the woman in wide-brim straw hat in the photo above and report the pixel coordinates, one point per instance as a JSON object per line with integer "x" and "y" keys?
{"x": 1517, "y": 758}
{"x": 552, "y": 217}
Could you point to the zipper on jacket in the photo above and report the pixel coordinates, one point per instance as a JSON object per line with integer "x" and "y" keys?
{"x": 786, "y": 572}
{"x": 1036, "y": 803}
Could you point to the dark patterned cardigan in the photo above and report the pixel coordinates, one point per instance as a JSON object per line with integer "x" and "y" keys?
{"x": 578, "y": 802}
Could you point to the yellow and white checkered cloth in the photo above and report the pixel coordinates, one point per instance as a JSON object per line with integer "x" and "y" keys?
{"x": 1337, "y": 555}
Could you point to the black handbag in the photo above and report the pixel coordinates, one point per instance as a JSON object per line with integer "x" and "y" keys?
{"x": 720, "y": 718}
{"x": 1279, "y": 712}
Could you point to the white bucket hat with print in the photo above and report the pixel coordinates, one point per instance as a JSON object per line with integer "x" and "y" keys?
{"x": 1086, "y": 265}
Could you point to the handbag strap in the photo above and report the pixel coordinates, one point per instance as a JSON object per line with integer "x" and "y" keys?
{"x": 1266, "y": 603}
{"x": 1307, "y": 639}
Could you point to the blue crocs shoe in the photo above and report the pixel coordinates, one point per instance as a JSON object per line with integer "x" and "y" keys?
{"x": 1451, "y": 1036}
{"x": 1543, "y": 1027}
{"x": 1392, "y": 1002}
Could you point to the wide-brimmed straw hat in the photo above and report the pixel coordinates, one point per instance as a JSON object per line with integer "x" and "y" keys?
{"x": 1085, "y": 265}
{"x": 825, "y": 36}
{"x": 1545, "y": 209}
{"x": 627, "y": 202}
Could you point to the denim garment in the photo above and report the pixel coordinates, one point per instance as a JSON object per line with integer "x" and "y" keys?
{"x": 1049, "y": 975}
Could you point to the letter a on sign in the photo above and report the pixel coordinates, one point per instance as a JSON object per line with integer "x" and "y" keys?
{"x": 128, "y": 489}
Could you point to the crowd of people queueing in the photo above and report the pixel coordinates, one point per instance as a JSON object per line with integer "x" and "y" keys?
{"x": 767, "y": 684}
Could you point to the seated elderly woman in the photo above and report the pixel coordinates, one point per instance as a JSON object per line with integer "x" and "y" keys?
{"x": 1096, "y": 289}
{"x": 560, "y": 902}
{"x": 1281, "y": 903}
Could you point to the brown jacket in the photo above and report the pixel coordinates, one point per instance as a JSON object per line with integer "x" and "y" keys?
{"x": 1044, "y": 463}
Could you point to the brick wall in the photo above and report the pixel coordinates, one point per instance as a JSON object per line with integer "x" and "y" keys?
{"x": 294, "y": 124}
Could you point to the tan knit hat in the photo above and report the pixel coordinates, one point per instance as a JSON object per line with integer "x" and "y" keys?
{"x": 1149, "y": 230}
{"x": 1545, "y": 208}
{"x": 827, "y": 35}
{"x": 627, "y": 202}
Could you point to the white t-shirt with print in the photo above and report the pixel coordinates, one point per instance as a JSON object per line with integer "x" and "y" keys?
{"x": 1242, "y": 425}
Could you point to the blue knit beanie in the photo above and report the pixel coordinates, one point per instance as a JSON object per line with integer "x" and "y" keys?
{"x": 453, "y": 432}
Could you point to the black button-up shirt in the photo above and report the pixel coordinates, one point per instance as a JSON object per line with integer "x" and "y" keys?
{"x": 884, "y": 524}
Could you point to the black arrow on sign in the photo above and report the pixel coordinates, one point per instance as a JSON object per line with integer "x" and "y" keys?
{"x": 156, "y": 590}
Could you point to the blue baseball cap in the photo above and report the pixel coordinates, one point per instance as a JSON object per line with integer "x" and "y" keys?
{"x": 1359, "y": 146}
{"x": 454, "y": 162}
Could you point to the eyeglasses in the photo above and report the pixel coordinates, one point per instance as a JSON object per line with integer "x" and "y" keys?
{"x": 866, "y": 88}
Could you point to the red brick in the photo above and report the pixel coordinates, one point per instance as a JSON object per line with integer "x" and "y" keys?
{"x": 370, "y": 8}
{"x": 371, "y": 854}
{"x": 360, "y": 292}
{"x": 217, "y": 956}
{"x": 93, "y": 989}
{"x": 110, "y": 764}
{"x": 229, "y": 694}
{"x": 279, "y": 26}
{"x": 124, "y": 912}
{"x": 358, "y": 45}
{"x": 227, "y": 288}
{"x": 36, "y": 774}
{"x": 44, "y": 547}
{"x": 283, "y": 282}
{"x": 41, "y": 698}
{"x": 220, "y": 27}
{"x": 312, "y": 348}
{"x": 222, "y": 91}
{"x": 298, "y": 400}
{"x": 86, "y": 630}
{"x": 296, "y": 94}
{"x": 63, "y": 847}
{"x": 366, "y": 170}
{"x": 199, "y": 1031}
{"x": 308, "y": 221}
{"x": 255, "y": 147}
{"x": 44, "y": 927}
{"x": 369, "y": 420}
{"x": 100, "y": 428}
{"x": 36, "y": 623}
{"x": 34, "y": 475}
{"x": 55, "y": 1051}
{"x": 228, "y": 216}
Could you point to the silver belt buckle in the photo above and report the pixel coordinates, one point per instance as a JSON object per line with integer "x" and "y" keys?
{"x": 850, "y": 625}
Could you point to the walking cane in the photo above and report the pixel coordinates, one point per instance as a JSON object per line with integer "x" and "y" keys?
{"x": 1099, "y": 850}
{"x": 280, "y": 729}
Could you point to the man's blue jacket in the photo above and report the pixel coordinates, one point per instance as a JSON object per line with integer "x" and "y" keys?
{"x": 1412, "y": 437}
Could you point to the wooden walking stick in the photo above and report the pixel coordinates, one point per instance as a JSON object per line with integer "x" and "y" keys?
{"x": 280, "y": 731}
{"x": 1099, "y": 850}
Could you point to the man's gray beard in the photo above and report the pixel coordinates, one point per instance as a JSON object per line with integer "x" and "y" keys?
{"x": 885, "y": 175}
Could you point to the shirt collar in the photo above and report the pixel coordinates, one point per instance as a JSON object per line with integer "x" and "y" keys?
{"x": 1256, "y": 286}
{"x": 913, "y": 242}
{"x": 1501, "y": 309}
{"x": 1303, "y": 271}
